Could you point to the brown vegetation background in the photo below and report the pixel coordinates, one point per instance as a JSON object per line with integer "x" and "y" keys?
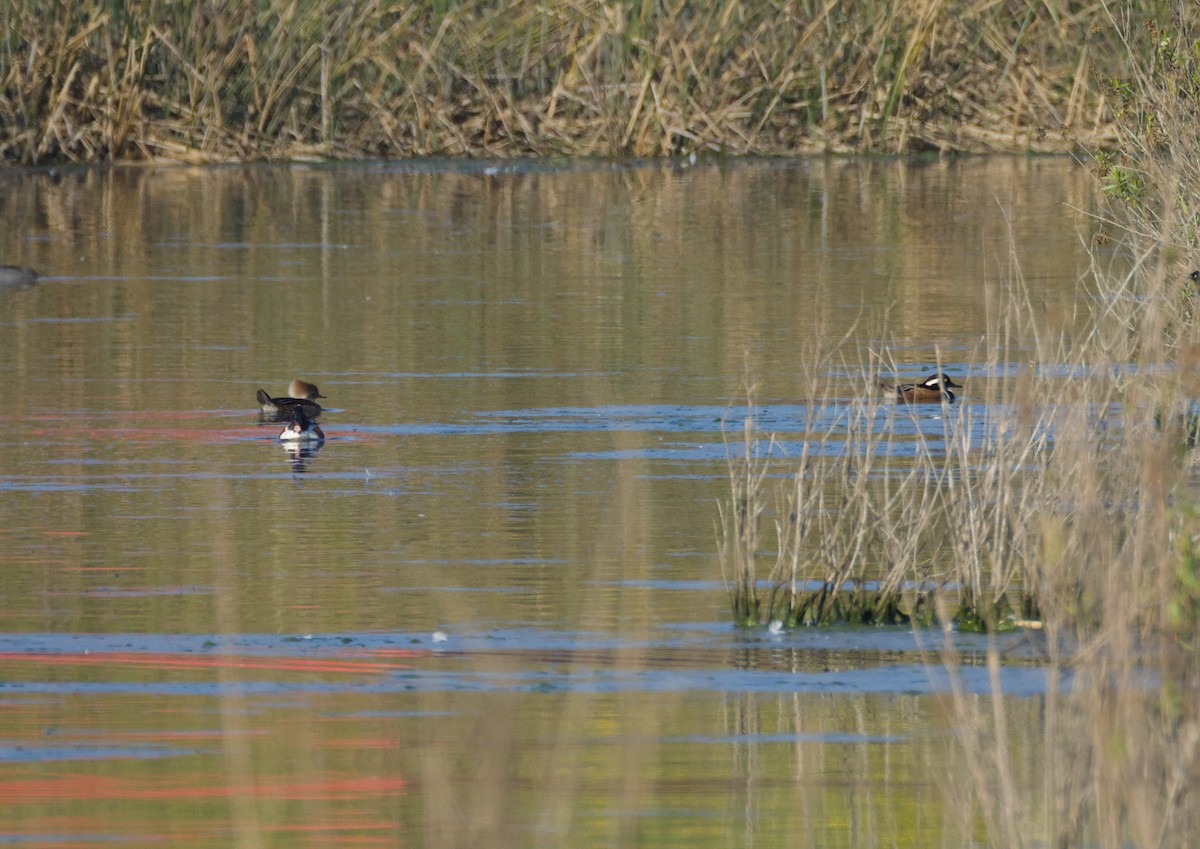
{"x": 204, "y": 80}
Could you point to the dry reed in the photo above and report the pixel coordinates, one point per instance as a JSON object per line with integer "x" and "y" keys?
{"x": 205, "y": 81}
{"x": 1055, "y": 499}
{"x": 1068, "y": 495}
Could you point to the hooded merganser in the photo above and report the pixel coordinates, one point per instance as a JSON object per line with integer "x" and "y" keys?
{"x": 301, "y": 428}
{"x": 301, "y": 394}
{"x": 931, "y": 390}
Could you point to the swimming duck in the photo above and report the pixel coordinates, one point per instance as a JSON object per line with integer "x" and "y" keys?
{"x": 931, "y": 390}
{"x": 300, "y": 394}
{"x": 301, "y": 428}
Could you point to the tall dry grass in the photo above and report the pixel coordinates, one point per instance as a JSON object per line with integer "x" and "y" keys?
{"x": 1067, "y": 495}
{"x": 203, "y": 80}
{"x": 881, "y": 512}
{"x": 1059, "y": 499}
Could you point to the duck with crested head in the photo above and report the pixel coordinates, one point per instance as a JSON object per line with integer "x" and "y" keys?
{"x": 301, "y": 394}
{"x": 300, "y": 428}
{"x": 932, "y": 390}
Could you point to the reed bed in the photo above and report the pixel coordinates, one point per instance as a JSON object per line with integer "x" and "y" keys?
{"x": 1059, "y": 499}
{"x": 199, "y": 80}
{"x": 1066, "y": 501}
{"x": 868, "y": 526}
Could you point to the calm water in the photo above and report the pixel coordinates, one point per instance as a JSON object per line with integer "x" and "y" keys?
{"x": 488, "y": 610}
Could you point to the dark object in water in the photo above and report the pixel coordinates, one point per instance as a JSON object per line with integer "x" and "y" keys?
{"x": 17, "y": 275}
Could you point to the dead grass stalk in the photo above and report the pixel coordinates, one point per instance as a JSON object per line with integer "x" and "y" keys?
{"x": 201, "y": 81}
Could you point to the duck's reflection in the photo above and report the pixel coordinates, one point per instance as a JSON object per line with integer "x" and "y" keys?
{"x": 301, "y": 454}
{"x": 301, "y": 438}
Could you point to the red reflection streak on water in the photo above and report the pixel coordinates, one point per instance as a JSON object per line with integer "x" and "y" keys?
{"x": 163, "y": 660}
{"x": 126, "y": 426}
{"x": 85, "y": 786}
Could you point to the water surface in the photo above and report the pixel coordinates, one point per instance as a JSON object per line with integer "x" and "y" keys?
{"x": 488, "y": 609}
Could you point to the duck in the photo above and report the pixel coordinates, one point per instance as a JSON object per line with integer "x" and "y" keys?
{"x": 301, "y": 394}
{"x": 300, "y": 428}
{"x": 931, "y": 390}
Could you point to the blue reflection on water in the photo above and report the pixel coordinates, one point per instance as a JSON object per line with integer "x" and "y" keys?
{"x": 696, "y": 658}
{"x": 911, "y": 679}
{"x": 87, "y": 752}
